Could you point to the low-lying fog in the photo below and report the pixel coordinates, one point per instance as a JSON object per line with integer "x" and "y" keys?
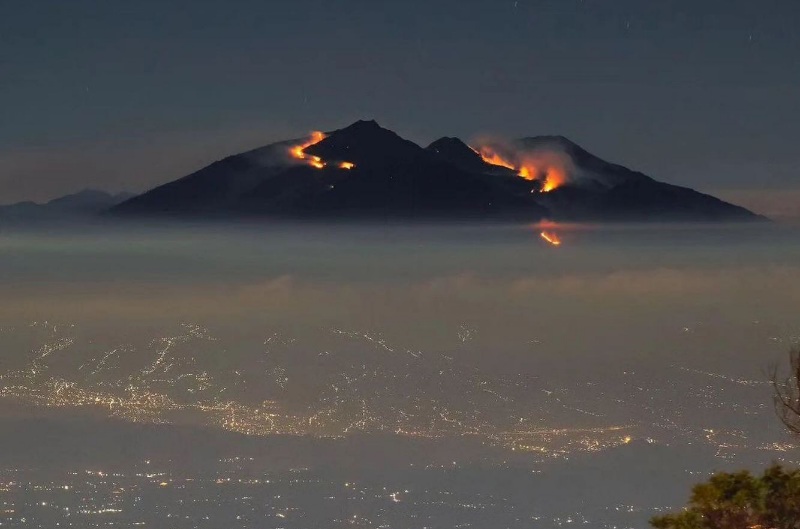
{"x": 459, "y": 375}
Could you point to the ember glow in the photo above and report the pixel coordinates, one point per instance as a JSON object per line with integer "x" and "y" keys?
{"x": 298, "y": 152}
{"x": 552, "y": 177}
{"x": 551, "y": 237}
{"x": 491, "y": 157}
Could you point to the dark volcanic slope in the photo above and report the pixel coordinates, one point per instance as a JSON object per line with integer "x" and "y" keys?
{"x": 211, "y": 190}
{"x": 459, "y": 154}
{"x": 395, "y": 178}
{"x": 366, "y": 144}
{"x": 641, "y": 200}
{"x": 599, "y": 190}
{"x": 392, "y": 177}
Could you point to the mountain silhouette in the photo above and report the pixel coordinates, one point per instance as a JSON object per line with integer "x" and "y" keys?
{"x": 83, "y": 204}
{"x": 366, "y": 143}
{"x": 365, "y": 171}
{"x": 459, "y": 154}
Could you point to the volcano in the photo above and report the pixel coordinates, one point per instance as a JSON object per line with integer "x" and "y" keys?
{"x": 365, "y": 171}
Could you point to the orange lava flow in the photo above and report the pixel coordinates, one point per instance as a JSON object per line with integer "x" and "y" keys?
{"x": 298, "y": 152}
{"x": 554, "y": 177}
{"x": 491, "y": 157}
{"x": 551, "y": 237}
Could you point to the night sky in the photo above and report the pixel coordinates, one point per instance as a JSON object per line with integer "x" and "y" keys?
{"x": 125, "y": 95}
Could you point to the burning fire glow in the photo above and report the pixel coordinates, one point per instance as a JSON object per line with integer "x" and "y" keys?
{"x": 551, "y": 237}
{"x": 298, "y": 152}
{"x": 493, "y": 158}
{"x": 554, "y": 177}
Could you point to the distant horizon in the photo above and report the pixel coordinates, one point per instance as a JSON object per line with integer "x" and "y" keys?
{"x": 698, "y": 94}
{"x": 774, "y": 203}
{"x": 451, "y": 263}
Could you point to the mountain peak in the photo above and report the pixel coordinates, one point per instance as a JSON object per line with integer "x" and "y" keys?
{"x": 364, "y": 142}
{"x": 364, "y": 123}
{"x": 392, "y": 176}
{"x": 458, "y": 153}
{"x": 449, "y": 142}
{"x": 582, "y": 160}
{"x": 550, "y": 142}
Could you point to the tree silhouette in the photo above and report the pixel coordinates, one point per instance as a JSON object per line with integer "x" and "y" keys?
{"x": 741, "y": 501}
{"x": 787, "y": 393}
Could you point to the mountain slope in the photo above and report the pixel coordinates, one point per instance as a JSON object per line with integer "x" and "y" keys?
{"x": 390, "y": 177}
{"x": 366, "y": 171}
{"x": 210, "y": 190}
{"x": 600, "y": 190}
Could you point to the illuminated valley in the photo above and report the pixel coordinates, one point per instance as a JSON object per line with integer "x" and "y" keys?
{"x": 350, "y": 394}
{"x": 399, "y": 265}
{"x": 356, "y": 386}
{"x": 309, "y": 393}
{"x": 357, "y": 393}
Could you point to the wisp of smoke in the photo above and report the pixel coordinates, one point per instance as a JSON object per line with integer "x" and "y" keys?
{"x": 546, "y": 162}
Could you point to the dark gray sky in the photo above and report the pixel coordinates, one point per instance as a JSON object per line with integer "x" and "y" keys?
{"x": 125, "y": 95}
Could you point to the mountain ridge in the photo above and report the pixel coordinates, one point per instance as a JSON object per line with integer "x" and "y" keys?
{"x": 82, "y": 204}
{"x": 366, "y": 171}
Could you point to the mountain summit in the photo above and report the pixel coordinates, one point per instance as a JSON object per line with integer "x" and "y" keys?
{"x": 367, "y": 171}
{"x": 365, "y": 142}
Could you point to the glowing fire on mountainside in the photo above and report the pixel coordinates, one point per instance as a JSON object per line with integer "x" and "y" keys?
{"x": 493, "y": 158}
{"x": 551, "y": 175}
{"x": 298, "y": 153}
{"x": 551, "y": 238}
